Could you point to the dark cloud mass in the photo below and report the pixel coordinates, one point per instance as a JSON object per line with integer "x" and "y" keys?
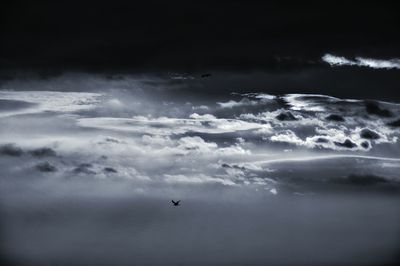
{"x": 336, "y": 118}
{"x": 346, "y": 144}
{"x": 84, "y": 168}
{"x": 286, "y": 116}
{"x": 13, "y": 104}
{"x": 46, "y": 167}
{"x": 395, "y": 123}
{"x": 275, "y": 124}
{"x": 10, "y": 150}
{"x": 110, "y": 170}
{"x": 365, "y": 144}
{"x": 369, "y": 134}
{"x": 43, "y": 152}
{"x": 374, "y": 109}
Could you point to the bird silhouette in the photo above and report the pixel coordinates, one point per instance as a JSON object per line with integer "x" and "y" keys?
{"x": 176, "y": 203}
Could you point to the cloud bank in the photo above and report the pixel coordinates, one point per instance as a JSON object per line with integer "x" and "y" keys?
{"x": 150, "y": 140}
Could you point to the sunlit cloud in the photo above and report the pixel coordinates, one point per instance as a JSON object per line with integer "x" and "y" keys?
{"x": 362, "y": 62}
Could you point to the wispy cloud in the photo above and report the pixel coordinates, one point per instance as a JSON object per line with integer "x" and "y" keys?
{"x": 232, "y": 103}
{"x": 171, "y": 126}
{"x": 334, "y": 60}
{"x": 50, "y": 101}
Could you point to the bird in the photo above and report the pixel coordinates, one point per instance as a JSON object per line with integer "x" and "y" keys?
{"x": 206, "y": 75}
{"x": 176, "y": 203}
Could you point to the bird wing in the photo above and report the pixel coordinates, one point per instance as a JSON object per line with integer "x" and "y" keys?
{"x": 173, "y": 201}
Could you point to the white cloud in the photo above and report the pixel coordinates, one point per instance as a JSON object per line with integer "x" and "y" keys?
{"x": 298, "y": 104}
{"x": 232, "y": 103}
{"x": 262, "y": 96}
{"x": 202, "y": 117}
{"x": 287, "y": 136}
{"x": 157, "y": 140}
{"x": 51, "y": 101}
{"x": 196, "y": 143}
{"x": 273, "y": 191}
{"x": 197, "y": 179}
{"x": 337, "y": 60}
{"x": 376, "y": 63}
{"x": 200, "y": 107}
{"x": 361, "y": 61}
{"x": 180, "y": 76}
{"x": 171, "y": 126}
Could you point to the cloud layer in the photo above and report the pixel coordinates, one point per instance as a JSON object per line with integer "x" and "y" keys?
{"x": 237, "y": 141}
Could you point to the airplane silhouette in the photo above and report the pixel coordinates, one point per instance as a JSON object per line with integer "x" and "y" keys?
{"x": 176, "y": 203}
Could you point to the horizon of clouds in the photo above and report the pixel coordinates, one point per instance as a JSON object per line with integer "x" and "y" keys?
{"x": 110, "y": 135}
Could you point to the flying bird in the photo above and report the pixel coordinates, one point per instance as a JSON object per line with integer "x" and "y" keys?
{"x": 176, "y": 203}
{"x": 206, "y": 75}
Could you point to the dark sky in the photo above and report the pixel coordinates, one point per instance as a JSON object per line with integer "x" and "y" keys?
{"x": 192, "y": 36}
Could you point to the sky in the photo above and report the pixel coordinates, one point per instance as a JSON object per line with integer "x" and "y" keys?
{"x": 145, "y": 36}
{"x": 275, "y": 124}
{"x": 277, "y": 45}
